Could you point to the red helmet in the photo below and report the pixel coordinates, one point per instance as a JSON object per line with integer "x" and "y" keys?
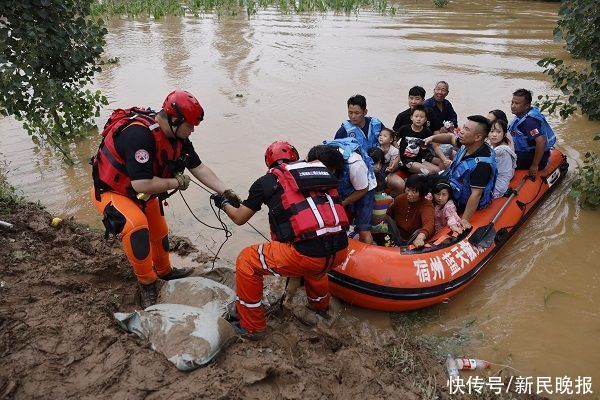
{"x": 184, "y": 105}
{"x": 280, "y": 150}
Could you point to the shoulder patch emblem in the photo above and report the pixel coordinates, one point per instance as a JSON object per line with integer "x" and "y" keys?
{"x": 142, "y": 156}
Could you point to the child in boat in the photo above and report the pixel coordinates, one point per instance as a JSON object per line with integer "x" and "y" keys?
{"x": 379, "y": 227}
{"x": 416, "y": 158}
{"x": 445, "y": 210}
{"x": 506, "y": 158}
{"x": 391, "y": 156}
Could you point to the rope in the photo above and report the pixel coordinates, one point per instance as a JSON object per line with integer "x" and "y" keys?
{"x": 252, "y": 226}
{"x": 217, "y": 213}
{"x": 223, "y": 227}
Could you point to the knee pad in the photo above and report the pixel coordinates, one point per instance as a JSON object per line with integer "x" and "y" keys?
{"x": 165, "y": 243}
{"x": 140, "y": 243}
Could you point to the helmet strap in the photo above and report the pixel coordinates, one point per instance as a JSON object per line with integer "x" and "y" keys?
{"x": 173, "y": 124}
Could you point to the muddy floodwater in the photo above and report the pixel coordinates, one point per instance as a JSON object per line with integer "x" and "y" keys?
{"x": 275, "y": 76}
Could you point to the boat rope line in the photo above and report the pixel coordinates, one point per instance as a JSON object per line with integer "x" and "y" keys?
{"x": 249, "y": 224}
{"x": 223, "y": 227}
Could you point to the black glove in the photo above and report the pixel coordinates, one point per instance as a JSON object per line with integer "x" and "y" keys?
{"x": 219, "y": 200}
{"x": 233, "y": 198}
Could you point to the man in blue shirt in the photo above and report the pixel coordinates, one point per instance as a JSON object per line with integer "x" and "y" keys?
{"x": 441, "y": 107}
{"x": 364, "y": 129}
{"x": 531, "y": 133}
{"x": 366, "y": 132}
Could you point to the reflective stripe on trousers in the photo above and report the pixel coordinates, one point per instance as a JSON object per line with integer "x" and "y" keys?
{"x": 279, "y": 259}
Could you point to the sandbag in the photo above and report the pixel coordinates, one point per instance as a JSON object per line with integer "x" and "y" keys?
{"x": 197, "y": 292}
{"x": 188, "y": 336}
{"x": 187, "y": 325}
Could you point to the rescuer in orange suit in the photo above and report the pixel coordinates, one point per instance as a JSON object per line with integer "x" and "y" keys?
{"x": 308, "y": 231}
{"x": 143, "y": 154}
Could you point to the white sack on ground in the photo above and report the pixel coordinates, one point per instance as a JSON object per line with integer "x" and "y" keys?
{"x": 197, "y": 292}
{"x": 188, "y": 336}
{"x": 187, "y": 325}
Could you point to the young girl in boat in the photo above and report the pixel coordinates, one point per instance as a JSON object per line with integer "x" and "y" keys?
{"x": 445, "y": 210}
{"x": 506, "y": 159}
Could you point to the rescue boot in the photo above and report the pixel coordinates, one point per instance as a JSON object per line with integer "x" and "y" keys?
{"x": 148, "y": 295}
{"x": 244, "y": 334}
{"x": 177, "y": 273}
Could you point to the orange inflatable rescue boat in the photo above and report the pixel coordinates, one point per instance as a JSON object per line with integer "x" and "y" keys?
{"x": 405, "y": 278}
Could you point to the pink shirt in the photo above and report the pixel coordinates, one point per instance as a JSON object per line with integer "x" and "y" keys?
{"x": 446, "y": 215}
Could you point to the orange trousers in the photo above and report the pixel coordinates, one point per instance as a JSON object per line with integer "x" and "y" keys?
{"x": 145, "y": 235}
{"x": 279, "y": 259}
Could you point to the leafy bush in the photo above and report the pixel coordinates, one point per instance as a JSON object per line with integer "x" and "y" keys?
{"x": 49, "y": 53}
{"x": 579, "y": 26}
{"x": 587, "y": 185}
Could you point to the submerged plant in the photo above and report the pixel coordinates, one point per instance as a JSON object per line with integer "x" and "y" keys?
{"x": 160, "y": 8}
{"x": 550, "y": 292}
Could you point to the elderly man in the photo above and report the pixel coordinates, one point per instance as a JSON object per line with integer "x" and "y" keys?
{"x": 473, "y": 171}
{"x": 442, "y": 108}
{"x": 531, "y": 133}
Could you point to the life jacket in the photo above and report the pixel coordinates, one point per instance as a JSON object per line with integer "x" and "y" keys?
{"x": 520, "y": 138}
{"x": 372, "y": 138}
{"x": 310, "y": 204}
{"x": 349, "y": 146}
{"x": 460, "y": 177}
{"x": 108, "y": 167}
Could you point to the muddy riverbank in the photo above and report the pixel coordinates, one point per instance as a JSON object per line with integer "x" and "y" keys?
{"x": 60, "y": 287}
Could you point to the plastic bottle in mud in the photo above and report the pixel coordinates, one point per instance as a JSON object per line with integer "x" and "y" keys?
{"x": 452, "y": 367}
{"x": 471, "y": 364}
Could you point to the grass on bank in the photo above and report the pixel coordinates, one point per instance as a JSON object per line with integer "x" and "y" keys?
{"x": 161, "y": 8}
{"x": 9, "y": 196}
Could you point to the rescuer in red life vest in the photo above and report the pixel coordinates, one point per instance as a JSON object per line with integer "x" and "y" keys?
{"x": 143, "y": 155}
{"x": 308, "y": 231}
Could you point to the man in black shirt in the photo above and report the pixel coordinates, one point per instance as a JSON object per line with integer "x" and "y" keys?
{"x": 308, "y": 231}
{"x": 143, "y": 154}
{"x": 473, "y": 171}
{"x": 416, "y": 96}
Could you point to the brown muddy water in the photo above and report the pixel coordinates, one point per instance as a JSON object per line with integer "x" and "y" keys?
{"x": 277, "y": 76}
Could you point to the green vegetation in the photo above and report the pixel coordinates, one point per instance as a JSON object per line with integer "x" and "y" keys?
{"x": 579, "y": 27}
{"x": 160, "y": 8}
{"x": 9, "y": 197}
{"x": 587, "y": 185}
{"x": 49, "y": 53}
{"x": 550, "y": 292}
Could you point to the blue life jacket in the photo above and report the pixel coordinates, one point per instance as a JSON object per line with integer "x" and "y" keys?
{"x": 520, "y": 138}
{"x": 349, "y": 146}
{"x": 372, "y": 139}
{"x": 460, "y": 177}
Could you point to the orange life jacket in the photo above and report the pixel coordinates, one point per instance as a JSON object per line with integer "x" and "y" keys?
{"x": 109, "y": 170}
{"x": 310, "y": 204}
